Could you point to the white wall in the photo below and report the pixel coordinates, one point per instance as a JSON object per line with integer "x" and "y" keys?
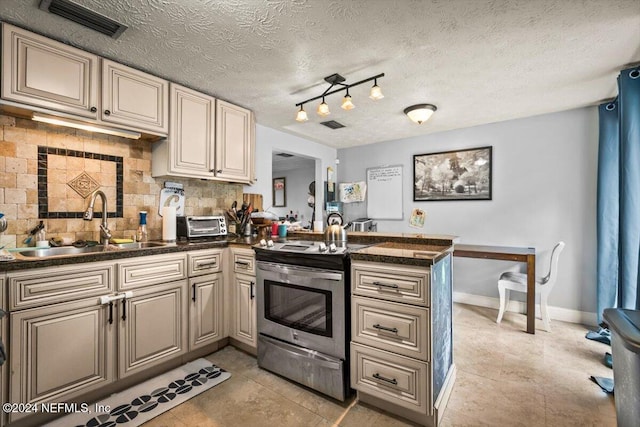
{"x": 544, "y": 190}
{"x": 269, "y": 140}
{"x": 297, "y": 192}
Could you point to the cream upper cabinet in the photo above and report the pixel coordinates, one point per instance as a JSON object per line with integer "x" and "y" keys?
{"x": 48, "y": 74}
{"x": 134, "y": 99}
{"x": 208, "y": 139}
{"x": 190, "y": 149}
{"x": 234, "y": 135}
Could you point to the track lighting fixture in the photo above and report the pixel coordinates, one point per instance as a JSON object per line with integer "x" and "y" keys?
{"x": 375, "y": 93}
{"x": 302, "y": 115}
{"x": 323, "y": 109}
{"x": 347, "y": 102}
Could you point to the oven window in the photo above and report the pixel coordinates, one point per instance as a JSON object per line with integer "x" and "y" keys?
{"x": 298, "y": 307}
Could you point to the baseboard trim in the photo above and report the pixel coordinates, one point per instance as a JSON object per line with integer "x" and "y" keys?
{"x": 557, "y": 313}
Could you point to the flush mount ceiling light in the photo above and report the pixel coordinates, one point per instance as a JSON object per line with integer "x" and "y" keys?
{"x": 420, "y": 113}
{"x": 347, "y": 102}
{"x": 76, "y": 124}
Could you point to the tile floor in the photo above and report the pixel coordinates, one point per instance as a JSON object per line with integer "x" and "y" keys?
{"x": 505, "y": 378}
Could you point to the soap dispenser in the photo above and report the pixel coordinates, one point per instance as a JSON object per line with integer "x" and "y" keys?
{"x": 141, "y": 235}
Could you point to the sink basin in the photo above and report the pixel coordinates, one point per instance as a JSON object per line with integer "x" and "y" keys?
{"x": 140, "y": 245}
{"x": 61, "y": 251}
{"x": 72, "y": 251}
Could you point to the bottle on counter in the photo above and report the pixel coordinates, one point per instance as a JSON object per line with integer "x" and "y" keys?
{"x": 41, "y": 236}
{"x": 141, "y": 235}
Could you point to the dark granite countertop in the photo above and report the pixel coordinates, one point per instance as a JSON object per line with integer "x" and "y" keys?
{"x": 402, "y": 253}
{"x": 23, "y": 263}
{"x": 399, "y": 248}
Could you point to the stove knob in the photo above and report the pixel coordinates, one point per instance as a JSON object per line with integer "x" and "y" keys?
{"x": 333, "y": 247}
{"x": 263, "y": 243}
{"x": 269, "y": 243}
{"x": 322, "y": 247}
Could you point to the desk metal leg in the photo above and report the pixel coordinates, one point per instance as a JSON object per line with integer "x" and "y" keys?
{"x": 531, "y": 294}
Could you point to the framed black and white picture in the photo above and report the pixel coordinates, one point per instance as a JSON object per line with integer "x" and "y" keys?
{"x": 452, "y": 175}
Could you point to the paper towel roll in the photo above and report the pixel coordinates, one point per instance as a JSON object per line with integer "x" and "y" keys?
{"x": 317, "y": 225}
{"x": 169, "y": 223}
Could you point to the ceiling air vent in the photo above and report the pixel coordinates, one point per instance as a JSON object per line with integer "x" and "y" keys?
{"x": 83, "y": 16}
{"x": 332, "y": 124}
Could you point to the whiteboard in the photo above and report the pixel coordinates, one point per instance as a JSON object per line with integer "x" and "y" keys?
{"x": 384, "y": 185}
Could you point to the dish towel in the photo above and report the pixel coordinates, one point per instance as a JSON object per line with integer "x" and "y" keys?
{"x": 603, "y": 335}
{"x": 5, "y": 255}
{"x": 606, "y": 384}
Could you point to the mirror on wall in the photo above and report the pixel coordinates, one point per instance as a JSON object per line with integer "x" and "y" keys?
{"x": 279, "y": 192}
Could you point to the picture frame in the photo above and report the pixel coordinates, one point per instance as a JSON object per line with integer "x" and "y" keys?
{"x": 453, "y": 175}
{"x": 279, "y": 192}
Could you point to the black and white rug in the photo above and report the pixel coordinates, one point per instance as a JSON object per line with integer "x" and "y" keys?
{"x": 147, "y": 400}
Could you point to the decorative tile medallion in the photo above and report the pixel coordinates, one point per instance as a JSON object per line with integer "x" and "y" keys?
{"x": 59, "y": 198}
{"x": 83, "y": 184}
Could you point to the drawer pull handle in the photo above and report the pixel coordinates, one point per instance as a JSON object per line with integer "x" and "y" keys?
{"x": 385, "y": 285}
{"x": 193, "y": 287}
{"x": 110, "y": 312}
{"x": 252, "y": 294}
{"x": 385, "y": 328}
{"x": 244, "y": 264}
{"x": 387, "y": 380}
{"x": 207, "y": 264}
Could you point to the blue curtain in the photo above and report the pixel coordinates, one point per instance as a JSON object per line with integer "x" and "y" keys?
{"x": 619, "y": 197}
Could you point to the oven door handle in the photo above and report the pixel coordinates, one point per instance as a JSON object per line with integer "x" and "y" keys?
{"x": 300, "y": 272}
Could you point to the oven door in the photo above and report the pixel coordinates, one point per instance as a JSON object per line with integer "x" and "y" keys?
{"x": 302, "y": 306}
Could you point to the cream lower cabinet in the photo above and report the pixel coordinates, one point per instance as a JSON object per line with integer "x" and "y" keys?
{"x": 206, "y": 306}
{"x": 60, "y": 351}
{"x": 243, "y": 302}
{"x": 152, "y": 327}
{"x": 401, "y": 338}
{"x": 61, "y": 338}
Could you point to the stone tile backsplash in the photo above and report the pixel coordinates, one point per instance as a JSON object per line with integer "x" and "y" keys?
{"x": 19, "y": 197}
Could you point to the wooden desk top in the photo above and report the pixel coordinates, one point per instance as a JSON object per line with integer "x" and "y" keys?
{"x": 507, "y": 253}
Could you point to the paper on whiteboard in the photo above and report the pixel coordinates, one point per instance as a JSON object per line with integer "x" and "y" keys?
{"x": 353, "y": 192}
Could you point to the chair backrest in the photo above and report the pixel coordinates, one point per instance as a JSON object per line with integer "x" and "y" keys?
{"x": 550, "y": 279}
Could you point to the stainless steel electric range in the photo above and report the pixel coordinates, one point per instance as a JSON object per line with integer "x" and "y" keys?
{"x": 303, "y": 313}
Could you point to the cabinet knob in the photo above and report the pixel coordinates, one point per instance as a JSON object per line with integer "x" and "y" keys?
{"x": 107, "y": 112}
{"x": 93, "y": 109}
{"x": 219, "y": 171}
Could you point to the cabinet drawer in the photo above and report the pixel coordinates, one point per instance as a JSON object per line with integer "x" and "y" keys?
{"x": 204, "y": 262}
{"x": 391, "y": 326}
{"x": 393, "y": 378}
{"x": 244, "y": 261}
{"x": 151, "y": 270}
{"x": 391, "y": 282}
{"x": 32, "y": 288}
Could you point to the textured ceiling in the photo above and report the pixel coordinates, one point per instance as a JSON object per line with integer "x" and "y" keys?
{"x": 479, "y": 61}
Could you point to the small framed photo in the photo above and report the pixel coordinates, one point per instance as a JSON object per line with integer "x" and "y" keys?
{"x": 452, "y": 175}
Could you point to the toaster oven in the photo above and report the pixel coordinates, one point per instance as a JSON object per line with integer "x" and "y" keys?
{"x": 190, "y": 227}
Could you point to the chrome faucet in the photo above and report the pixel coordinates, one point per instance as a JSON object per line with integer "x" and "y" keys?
{"x": 105, "y": 234}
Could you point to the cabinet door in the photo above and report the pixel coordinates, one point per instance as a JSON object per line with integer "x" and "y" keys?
{"x": 205, "y": 315}
{"x": 233, "y": 142}
{"x": 60, "y": 351}
{"x": 3, "y": 336}
{"x": 192, "y": 133}
{"x": 133, "y": 98}
{"x": 48, "y": 74}
{"x": 152, "y": 327}
{"x": 244, "y": 314}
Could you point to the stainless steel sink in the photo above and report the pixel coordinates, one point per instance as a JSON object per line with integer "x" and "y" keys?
{"x": 73, "y": 251}
{"x": 140, "y": 245}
